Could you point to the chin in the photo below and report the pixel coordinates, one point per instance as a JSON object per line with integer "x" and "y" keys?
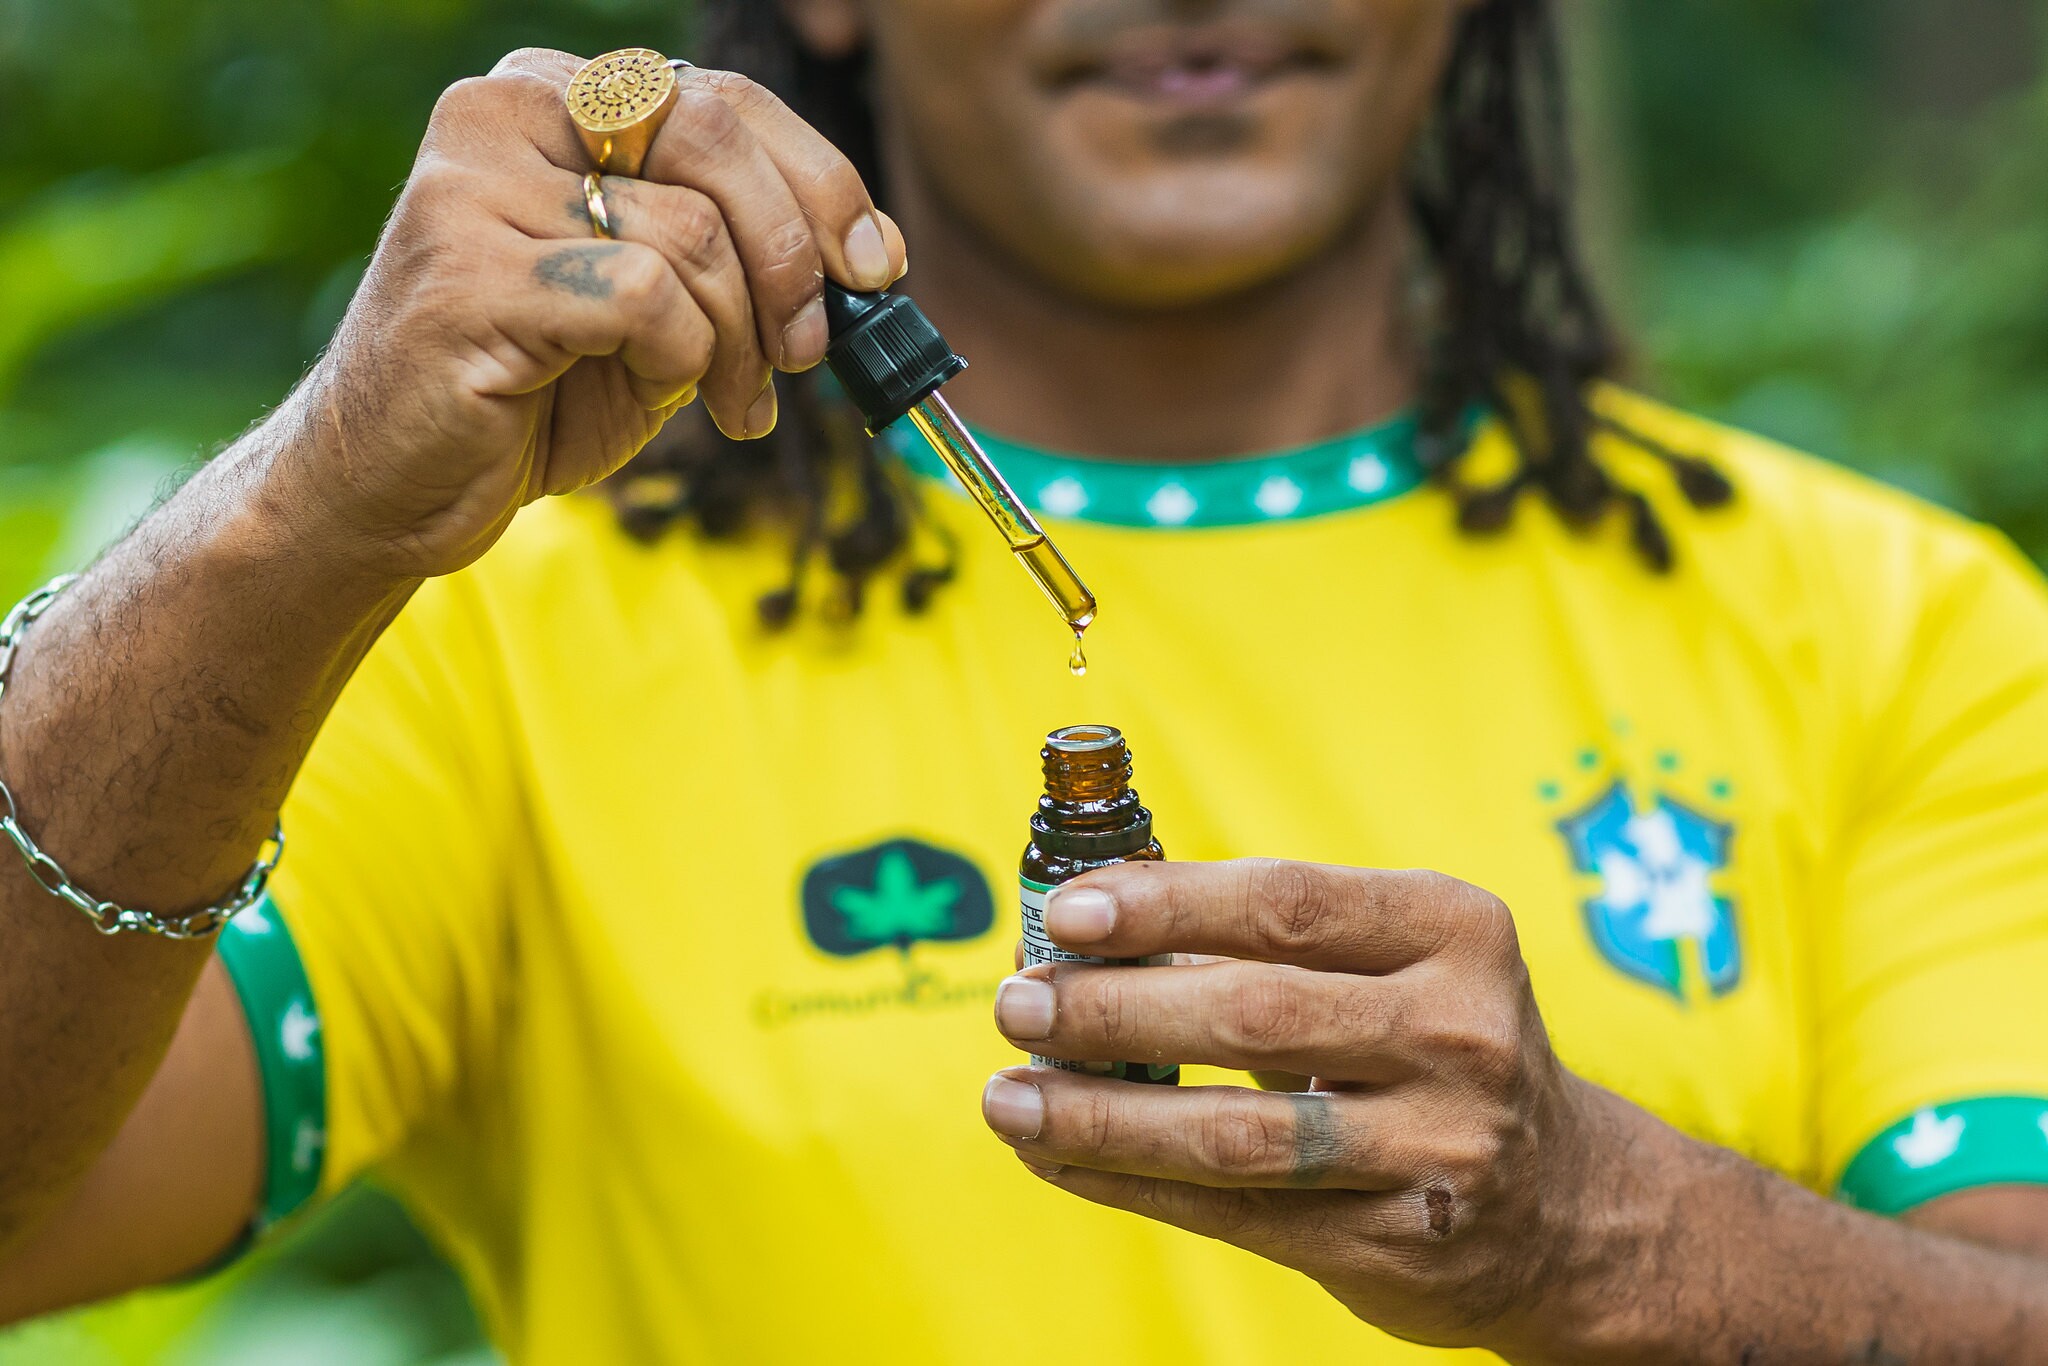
{"x": 1183, "y": 238}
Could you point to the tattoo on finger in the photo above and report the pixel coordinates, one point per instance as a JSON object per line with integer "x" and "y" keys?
{"x": 575, "y": 269}
{"x": 1318, "y": 1145}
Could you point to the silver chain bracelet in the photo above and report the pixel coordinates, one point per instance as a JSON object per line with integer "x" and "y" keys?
{"x": 107, "y": 917}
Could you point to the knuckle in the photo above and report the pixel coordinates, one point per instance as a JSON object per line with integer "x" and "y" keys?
{"x": 1106, "y": 1012}
{"x": 1422, "y": 895}
{"x": 788, "y": 250}
{"x": 831, "y": 178}
{"x": 1483, "y": 1045}
{"x": 699, "y": 346}
{"x": 483, "y": 108}
{"x": 1244, "y": 1136}
{"x": 708, "y": 119}
{"x": 737, "y": 89}
{"x": 1360, "y": 1018}
{"x": 1471, "y": 915}
{"x": 1487, "y": 921}
{"x": 443, "y": 181}
{"x": 1263, "y": 1016}
{"x": 533, "y": 61}
{"x": 1471, "y": 1170}
{"x": 1474, "y": 1152}
{"x": 465, "y": 96}
{"x": 694, "y": 229}
{"x": 1095, "y": 1122}
{"x": 641, "y": 279}
{"x": 1292, "y": 903}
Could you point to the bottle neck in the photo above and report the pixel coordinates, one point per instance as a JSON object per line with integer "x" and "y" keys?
{"x": 1089, "y": 809}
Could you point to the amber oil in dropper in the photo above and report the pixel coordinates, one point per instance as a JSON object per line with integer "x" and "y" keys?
{"x": 1090, "y": 817}
{"x": 891, "y": 362}
{"x": 943, "y": 431}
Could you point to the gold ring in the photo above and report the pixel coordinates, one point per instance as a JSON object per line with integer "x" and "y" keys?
{"x": 593, "y": 200}
{"x": 618, "y": 102}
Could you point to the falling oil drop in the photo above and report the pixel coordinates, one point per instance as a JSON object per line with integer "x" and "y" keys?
{"x": 1077, "y": 662}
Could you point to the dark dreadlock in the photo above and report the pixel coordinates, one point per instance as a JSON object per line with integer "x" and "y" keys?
{"x": 1519, "y": 335}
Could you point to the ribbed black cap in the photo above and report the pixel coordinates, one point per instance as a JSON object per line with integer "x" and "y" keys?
{"x": 886, "y": 353}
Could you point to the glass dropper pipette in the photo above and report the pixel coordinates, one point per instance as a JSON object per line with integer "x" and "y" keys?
{"x": 891, "y": 361}
{"x": 936, "y": 421}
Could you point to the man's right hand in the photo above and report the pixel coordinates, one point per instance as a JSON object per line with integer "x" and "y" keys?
{"x": 498, "y": 351}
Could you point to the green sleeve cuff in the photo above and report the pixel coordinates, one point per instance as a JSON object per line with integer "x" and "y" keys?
{"x": 1980, "y": 1141}
{"x": 284, "y": 1024}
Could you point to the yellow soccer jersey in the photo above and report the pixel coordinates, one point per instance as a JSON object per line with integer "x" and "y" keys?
{"x": 649, "y": 955}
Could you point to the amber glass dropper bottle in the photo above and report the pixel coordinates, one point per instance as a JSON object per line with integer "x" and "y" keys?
{"x": 1088, "y": 818}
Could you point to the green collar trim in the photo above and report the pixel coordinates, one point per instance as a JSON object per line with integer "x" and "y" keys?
{"x": 1936, "y": 1151}
{"x": 1337, "y": 475}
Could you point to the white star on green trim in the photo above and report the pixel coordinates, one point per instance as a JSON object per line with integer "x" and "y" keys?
{"x": 1932, "y": 1139}
{"x": 1366, "y": 473}
{"x": 307, "y": 1141}
{"x": 1277, "y": 496}
{"x": 296, "y": 1030}
{"x": 1064, "y": 496}
{"x": 1171, "y": 504}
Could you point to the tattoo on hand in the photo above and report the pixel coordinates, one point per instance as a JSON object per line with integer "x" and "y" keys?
{"x": 1317, "y": 1143}
{"x": 575, "y": 269}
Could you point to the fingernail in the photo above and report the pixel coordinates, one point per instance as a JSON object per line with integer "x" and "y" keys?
{"x": 1024, "y": 1008}
{"x": 867, "y": 255}
{"x": 1013, "y": 1109}
{"x": 803, "y": 341}
{"x": 1081, "y": 915}
{"x": 1041, "y": 1170}
{"x": 760, "y": 419}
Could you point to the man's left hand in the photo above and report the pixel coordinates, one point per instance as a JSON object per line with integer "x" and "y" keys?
{"x": 1439, "y": 1174}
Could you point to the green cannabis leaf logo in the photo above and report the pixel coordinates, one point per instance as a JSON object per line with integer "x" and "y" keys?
{"x": 899, "y": 908}
{"x": 894, "y": 894}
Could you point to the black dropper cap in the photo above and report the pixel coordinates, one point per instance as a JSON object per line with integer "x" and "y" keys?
{"x": 885, "y": 352}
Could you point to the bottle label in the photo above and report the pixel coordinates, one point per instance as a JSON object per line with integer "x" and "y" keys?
{"x": 1039, "y": 948}
{"x": 1038, "y": 945}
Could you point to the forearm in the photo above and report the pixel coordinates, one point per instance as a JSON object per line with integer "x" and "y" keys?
{"x": 1698, "y": 1255}
{"x": 155, "y": 719}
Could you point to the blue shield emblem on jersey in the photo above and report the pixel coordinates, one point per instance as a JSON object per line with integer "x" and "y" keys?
{"x": 1657, "y": 916}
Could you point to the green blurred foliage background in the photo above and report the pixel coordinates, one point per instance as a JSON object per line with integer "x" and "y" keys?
{"x": 1819, "y": 218}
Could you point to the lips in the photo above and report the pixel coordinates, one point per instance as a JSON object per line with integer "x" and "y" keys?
{"x": 1188, "y": 66}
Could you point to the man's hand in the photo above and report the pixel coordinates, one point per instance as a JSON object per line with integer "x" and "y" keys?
{"x": 1440, "y": 1148}
{"x": 498, "y": 351}
{"x": 1443, "y": 1175}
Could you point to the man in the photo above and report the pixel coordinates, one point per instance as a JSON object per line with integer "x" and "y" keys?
{"x": 643, "y": 949}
